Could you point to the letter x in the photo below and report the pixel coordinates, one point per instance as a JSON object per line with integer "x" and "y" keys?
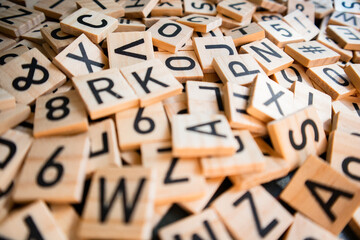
{"x": 84, "y": 58}
{"x": 274, "y": 98}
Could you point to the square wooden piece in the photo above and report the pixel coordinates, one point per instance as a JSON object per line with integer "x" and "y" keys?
{"x": 57, "y": 39}
{"x": 245, "y": 34}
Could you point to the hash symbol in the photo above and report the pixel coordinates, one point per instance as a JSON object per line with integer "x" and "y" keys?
{"x": 312, "y": 49}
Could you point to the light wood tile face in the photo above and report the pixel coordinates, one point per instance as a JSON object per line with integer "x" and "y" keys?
{"x": 56, "y": 9}
{"x": 120, "y": 204}
{"x": 347, "y": 37}
{"x": 304, "y": 26}
{"x": 199, "y": 7}
{"x": 245, "y": 34}
{"x": 201, "y": 23}
{"x": 138, "y": 9}
{"x": 238, "y": 10}
{"x": 107, "y": 7}
{"x": 322, "y": 194}
{"x": 57, "y": 39}
{"x": 54, "y": 170}
{"x": 294, "y": 73}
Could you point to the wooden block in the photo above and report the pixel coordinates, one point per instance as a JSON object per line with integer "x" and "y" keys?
{"x": 239, "y": 69}
{"x": 107, "y": 7}
{"x": 347, "y": 37}
{"x": 235, "y": 104}
{"x": 14, "y": 146}
{"x": 4, "y": 4}
{"x": 270, "y": 5}
{"x": 7, "y": 101}
{"x": 203, "y": 225}
{"x": 33, "y": 220}
{"x": 139, "y": 8}
{"x": 34, "y": 34}
{"x": 142, "y": 125}
{"x": 109, "y": 212}
{"x": 304, "y": 228}
{"x": 345, "y": 122}
{"x": 333, "y": 80}
{"x": 259, "y": 16}
{"x": 57, "y": 39}
{"x": 6, "y": 202}
{"x": 275, "y": 167}
{"x": 231, "y": 23}
{"x": 322, "y": 8}
{"x": 127, "y": 48}
{"x": 59, "y": 114}
{"x": 149, "y": 21}
{"x": 345, "y": 55}
{"x": 312, "y": 54}
{"x": 65, "y": 157}
{"x": 104, "y": 150}
{"x": 269, "y": 100}
{"x": 345, "y": 19}
{"x": 351, "y": 6}
{"x": 294, "y": 73}
{"x": 170, "y": 35}
{"x": 204, "y": 7}
{"x": 6, "y": 42}
{"x": 129, "y": 25}
{"x": 131, "y": 157}
{"x": 11, "y": 117}
{"x": 353, "y": 73}
{"x": 178, "y": 180}
{"x": 355, "y": 222}
{"x": 252, "y": 214}
{"x": 67, "y": 86}
{"x": 349, "y": 105}
{"x": 167, "y": 8}
{"x": 105, "y": 93}
{"x": 30, "y": 45}
{"x": 236, "y": 9}
{"x": 280, "y": 33}
{"x": 302, "y": 25}
{"x": 95, "y": 25}
{"x": 81, "y": 57}
{"x": 290, "y": 138}
{"x": 163, "y": 83}
{"x": 246, "y": 34}
{"x": 270, "y": 57}
{"x": 305, "y": 95}
{"x": 17, "y": 20}
{"x": 56, "y": 9}
{"x": 192, "y": 138}
{"x": 184, "y": 65}
{"x": 29, "y": 76}
{"x": 204, "y": 97}
{"x": 322, "y": 194}
{"x": 207, "y": 49}
{"x": 306, "y": 7}
{"x": 196, "y": 206}
{"x": 247, "y": 159}
{"x": 66, "y": 218}
{"x": 175, "y": 105}
{"x": 201, "y": 23}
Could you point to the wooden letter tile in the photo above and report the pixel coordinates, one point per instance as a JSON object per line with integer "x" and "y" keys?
{"x": 125, "y": 49}
{"x": 270, "y": 5}
{"x": 104, "y": 151}
{"x": 298, "y": 135}
{"x": 322, "y": 194}
{"x": 235, "y": 103}
{"x": 129, "y": 25}
{"x": 345, "y": 122}
{"x": 347, "y": 37}
{"x": 294, "y": 73}
{"x": 252, "y": 214}
{"x": 81, "y": 57}
{"x": 34, "y": 34}
{"x": 270, "y": 57}
{"x": 350, "y": 105}
{"x": 345, "y": 55}
{"x": 151, "y": 81}
{"x": 17, "y": 20}
{"x": 168, "y": 8}
{"x": 259, "y": 16}
{"x": 13, "y": 147}
{"x": 269, "y": 100}
{"x": 105, "y": 93}
{"x": 184, "y": 65}
{"x": 142, "y": 125}
{"x": 245, "y": 34}
{"x": 139, "y": 8}
{"x": 204, "y": 97}
{"x": 345, "y": 19}
{"x": 353, "y": 73}
{"x": 280, "y": 33}
{"x": 7, "y": 101}
{"x": 205, "y": 7}
{"x": 201, "y": 135}
{"x": 29, "y": 76}
{"x": 33, "y": 221}
{"x": 107, "y": 7}
{"x": 236, "y": 9}
{"x": 176, "y": 105}
{"x": 207, "y": 49}
{"x": 201, "y": 23}
{"x": 170, "y": 35}
{"x": 333, "y": 80}
{"x": 60, "y": 114}
{"x": 120, "y": 204}
{"x": 56, "y": 9}
{"x": 239, "y": 69}
{"x": 54, "y": 170}
{"x": 96, "y": 26}
{"x": 322, "y": 8}
{"x": 11, "y": 117}
{"x": 57, "y": 39}
{"x": 306, "y": 7}
{"x": 6, "y": 42}
{"x": 205, "y": 225}
{"x": 247, "y": 159}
